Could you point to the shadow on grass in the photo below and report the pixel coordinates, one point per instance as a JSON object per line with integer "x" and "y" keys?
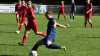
{"x": 6, "y": 32}
{"x": 2, "y": 24}
{"x": 9, "y": 44}
{"x": 94, "y": 37}
{"x": 16, "y": 44}
{"x": 11, "y": 55}
{"x": 86, "y": 36}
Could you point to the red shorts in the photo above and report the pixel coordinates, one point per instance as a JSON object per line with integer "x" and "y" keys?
{"x": 88, "y": 16}
{"x": 61, "y": 11}
{"x": 23, "y": 20}
{"x": 18, "y": 14}
{"x": 33, "y": 24}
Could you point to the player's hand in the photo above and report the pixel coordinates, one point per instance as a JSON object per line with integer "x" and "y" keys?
{"x": 87, "y": 12}
{"x": 65, "y": 26}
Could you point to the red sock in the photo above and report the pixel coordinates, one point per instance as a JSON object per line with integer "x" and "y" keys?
{"x": 24, "y": 39}
{"x": 20, "y": 27}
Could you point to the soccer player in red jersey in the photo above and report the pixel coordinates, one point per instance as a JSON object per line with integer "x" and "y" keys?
{"x": 17, "y": 11}
{"x": 23, "y": 20}
{"x": 32, "y": 24}
{"x": 88, "y": 13}
{"x": 62, "y": 12}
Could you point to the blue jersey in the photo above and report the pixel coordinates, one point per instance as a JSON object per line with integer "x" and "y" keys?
{"x": 51, "y": 30}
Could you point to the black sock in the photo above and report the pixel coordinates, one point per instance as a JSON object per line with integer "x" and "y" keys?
{"x": 53, "y": 46}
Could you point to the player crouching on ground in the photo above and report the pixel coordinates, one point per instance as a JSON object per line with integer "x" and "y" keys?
{"x": 51, "y": 35}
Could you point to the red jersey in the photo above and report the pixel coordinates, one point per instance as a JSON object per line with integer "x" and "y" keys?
{"x": 23, "y": 10}
{"x": 89, "y": 7}
{"x": 61, "y": 7}
{"x": 30, "y": 13}
{"x": 32, "y": 21}
{"x": 88, "y": 11}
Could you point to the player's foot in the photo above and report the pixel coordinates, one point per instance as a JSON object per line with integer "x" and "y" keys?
{"x": 33, "y": 53}
{"x": 17, "y": 32}
{"x": 21, "y": 44}
{"x": 68, "y": 25}
{"x": 64, "y": 48}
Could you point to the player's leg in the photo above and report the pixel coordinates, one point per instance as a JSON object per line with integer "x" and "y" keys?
{"x": 24, "y": 39}
{"x": 64, "y": 15}
{"x": 85, "y": 23}
{"x": 17, "y": 17}
{"x": 37, "y": 44}
{"x": 70, "y": 15}
{"x": 35, "y": 28}
{"x": 73, "y": 16}
{"x": 86, "y": 20}
{"x": 90, "y": 22}
{"x": 22, "y": 23}
{"x": 49, "y": 44}
{"x": 35, "y": 48}
{"x": 52, "y": 46}
{"x": 66, "y": 20}
{"x": 58, "y": 15}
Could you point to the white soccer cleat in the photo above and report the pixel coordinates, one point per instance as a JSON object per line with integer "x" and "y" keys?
{"x": 33, "y": 53}
{"x": 64, "y": 49}
{"x": 17, "y": 32}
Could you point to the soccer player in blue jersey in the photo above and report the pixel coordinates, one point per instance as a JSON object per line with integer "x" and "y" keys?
{"x": 51, "y": 35}
{"x": 72, "y": 10}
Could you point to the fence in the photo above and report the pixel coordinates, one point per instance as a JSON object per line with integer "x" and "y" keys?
{"x": 79, "y": 9}
{"x": 10, "y": 8}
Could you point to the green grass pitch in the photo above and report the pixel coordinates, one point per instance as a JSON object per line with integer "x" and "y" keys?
{"x": 79, "y": 41}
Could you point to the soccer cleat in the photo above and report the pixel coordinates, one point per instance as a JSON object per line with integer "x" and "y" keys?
{"x": 17, "y": 32}
{"x": 33, "y": 53}
{"x": 21, "y": 44}
{"x": 64, "y": 48}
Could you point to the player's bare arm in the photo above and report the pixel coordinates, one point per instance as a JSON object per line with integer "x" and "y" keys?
{"x": 89, "y": 10}
{"x": 60, "y": 25}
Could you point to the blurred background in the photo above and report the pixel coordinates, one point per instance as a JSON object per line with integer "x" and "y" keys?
{"x": 78, "y": 2}
{"x": 9, "y": 5}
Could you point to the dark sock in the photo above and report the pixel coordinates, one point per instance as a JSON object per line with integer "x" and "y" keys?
{"x": 73, "y": 17}
{"x": 53, "y": 46}
{"x": 35, "y": 47}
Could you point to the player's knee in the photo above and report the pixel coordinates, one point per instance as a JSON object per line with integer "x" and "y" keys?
{"x": 48, "y": 43}
{"x": 90, "y": 21}
{"x": 27, "y": 32}
{"x": 21, "y": 24}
